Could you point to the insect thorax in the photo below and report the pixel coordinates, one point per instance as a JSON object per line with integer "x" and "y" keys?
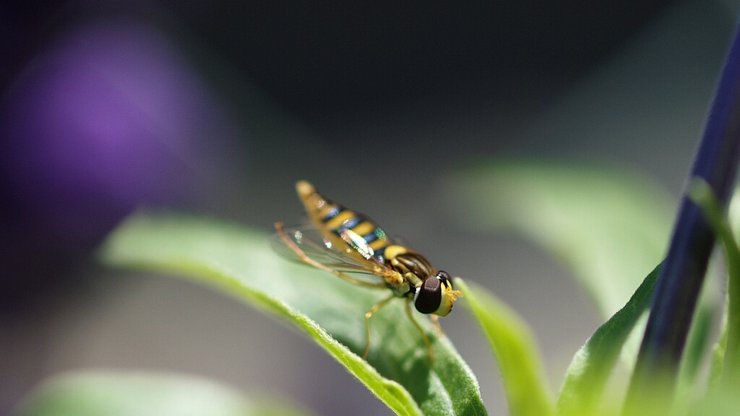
{"x": 414, "y": 267}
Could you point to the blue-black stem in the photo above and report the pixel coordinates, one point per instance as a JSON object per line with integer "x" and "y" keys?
{"x": 683, "y": 273}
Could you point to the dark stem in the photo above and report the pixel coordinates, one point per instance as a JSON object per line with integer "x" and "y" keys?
{"x": 682, "y": 276}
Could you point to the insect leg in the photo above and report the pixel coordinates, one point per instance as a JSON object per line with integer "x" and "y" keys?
{"x": 420, "y": 329}
{"x": 311, "y": 262}
{"x": 369, "y": 314}
{"x": 437, "y": 327}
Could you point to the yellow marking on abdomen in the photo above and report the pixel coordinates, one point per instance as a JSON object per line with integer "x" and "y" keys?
{"x": 325, "y": 208}
{"x": 364, "y": 228}
{"x": 339, "y": 219}
{"x": 304, "y": 189}
{"x": 378, "y": 244}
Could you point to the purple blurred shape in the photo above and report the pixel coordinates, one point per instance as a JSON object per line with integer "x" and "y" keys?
{"x": 106, "y": 120}
{"x": 109, "y": 118}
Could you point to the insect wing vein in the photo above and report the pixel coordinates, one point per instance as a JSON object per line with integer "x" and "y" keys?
{"x": 311, "y": 242}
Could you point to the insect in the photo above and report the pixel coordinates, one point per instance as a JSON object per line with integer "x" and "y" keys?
{"x": 343, "y": 242}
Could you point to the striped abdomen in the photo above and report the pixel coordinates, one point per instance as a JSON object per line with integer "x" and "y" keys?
{"x": 340, "y": 224}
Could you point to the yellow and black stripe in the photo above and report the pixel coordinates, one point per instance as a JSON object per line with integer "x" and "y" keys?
{"x": 333, "y": 219}
{"x": 406, "y": 272}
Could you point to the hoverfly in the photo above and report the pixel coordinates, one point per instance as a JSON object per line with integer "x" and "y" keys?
{"x": 350, "y": 242}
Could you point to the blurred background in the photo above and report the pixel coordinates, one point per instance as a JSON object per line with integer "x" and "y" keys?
{"x": 217, "y": 108}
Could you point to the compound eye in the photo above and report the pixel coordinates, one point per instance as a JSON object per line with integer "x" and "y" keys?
{"x": 429, "y": 296}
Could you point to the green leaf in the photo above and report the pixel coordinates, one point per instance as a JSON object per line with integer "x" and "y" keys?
{"x": 695, "y": 352}
{"x": 115, "y": 393}
{"x": 733, "y": 211}
{"x": 515, "y": 352}
{"x": 593, "y": 363}
{"x": 239, "y": 262}
{"x": 702, "y": 195}
{"x": 610, "y": 226}
{"x": 719, "y": 401}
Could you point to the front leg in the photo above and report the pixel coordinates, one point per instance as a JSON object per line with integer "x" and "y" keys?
{"x": 424, "y": 336}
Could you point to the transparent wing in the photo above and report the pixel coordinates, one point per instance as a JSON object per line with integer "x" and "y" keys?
{"x": 312, "y": 243}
